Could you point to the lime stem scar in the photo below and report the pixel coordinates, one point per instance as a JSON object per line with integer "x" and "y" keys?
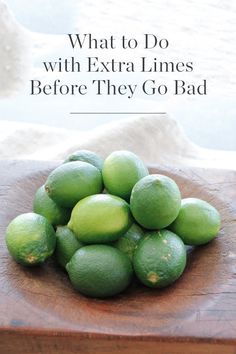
{"x": 152, "y": 277}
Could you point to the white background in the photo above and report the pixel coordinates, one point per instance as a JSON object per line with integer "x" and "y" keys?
{"x": 199, "y": 31}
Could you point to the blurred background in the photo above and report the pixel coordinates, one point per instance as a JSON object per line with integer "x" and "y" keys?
{"x": 199, "y": 31}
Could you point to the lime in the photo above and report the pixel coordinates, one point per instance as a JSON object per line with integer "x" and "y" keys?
{"x": 160, "y": 259}
{"x": 30, "y": 239}
{"x": 121, "y": 170}
{"x": 67, "y": 245}
{"x": 73, "y": 181}
{"x": 45, "y": 206}
{"x": 86, "y": 156}
{"x": 155, "y": 201}
{"x": 128, "y": 242}
{"x": 100, "y": 218}
{"x": 198, "y": 222}
{"x": 100, "y": 271}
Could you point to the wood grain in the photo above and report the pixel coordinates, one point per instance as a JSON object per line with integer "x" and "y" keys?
{"x": 41, "y": 313}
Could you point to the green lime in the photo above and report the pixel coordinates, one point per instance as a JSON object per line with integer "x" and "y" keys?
{"x": 160, "y": 259}
{"x": 45, "y": 206}
{"x": 73, "y": 181}
{"x": 67, "y": 245}
{"x": 100, "y": 271}
{"x": 86, "y": 156}
{"x": 30, "y": 239}
{"x": 155, "y": 201}
{"x": 128, "y": 242}
{"x": 121, "y": 170}
{"x": 100, "y": 218}
{"x": 198, "y": 222}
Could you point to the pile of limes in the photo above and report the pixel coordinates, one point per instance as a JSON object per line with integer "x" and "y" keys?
{"x": 107, "y": 220}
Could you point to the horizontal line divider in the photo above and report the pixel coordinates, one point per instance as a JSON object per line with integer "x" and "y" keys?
{"x": 117, "y": 112}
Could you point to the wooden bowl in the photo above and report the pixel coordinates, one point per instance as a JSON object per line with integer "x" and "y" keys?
{"x": 40, "y": 312}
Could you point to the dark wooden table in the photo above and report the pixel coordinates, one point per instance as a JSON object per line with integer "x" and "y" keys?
{"x": 41, "y": 313}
